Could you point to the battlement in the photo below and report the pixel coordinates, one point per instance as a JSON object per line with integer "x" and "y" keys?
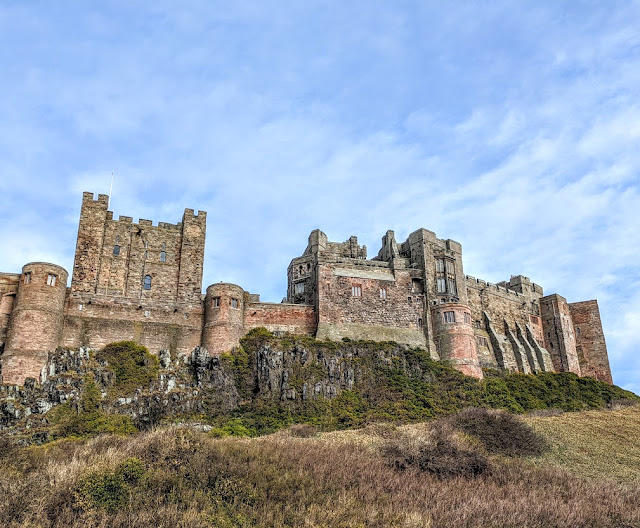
{"x": 143, "y": 282}
{"x": 102, "y": 198}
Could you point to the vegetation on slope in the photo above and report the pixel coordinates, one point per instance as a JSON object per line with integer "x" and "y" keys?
{"x": 393, "y": 384}
{"x": 178, "y": 477}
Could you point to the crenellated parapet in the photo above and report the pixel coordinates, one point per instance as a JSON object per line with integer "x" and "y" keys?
{"x": 143, "y": 282}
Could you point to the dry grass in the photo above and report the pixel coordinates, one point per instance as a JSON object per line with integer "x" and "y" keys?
{"x": 331, "y": 480}
{"x": 594, "y": 444}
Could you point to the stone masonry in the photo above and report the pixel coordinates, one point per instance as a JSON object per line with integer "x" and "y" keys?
{"x": 143, "y": 282}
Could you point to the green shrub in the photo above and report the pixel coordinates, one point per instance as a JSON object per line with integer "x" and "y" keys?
{"x": 109, "y": 490}
{"x": 88, "y": 419}
{"x": 134, "y": 367}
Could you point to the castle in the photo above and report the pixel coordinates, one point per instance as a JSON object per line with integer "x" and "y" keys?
{"x": 143, "y": 282}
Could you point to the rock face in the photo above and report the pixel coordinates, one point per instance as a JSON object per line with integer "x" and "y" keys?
{"x": 288, "y": 371}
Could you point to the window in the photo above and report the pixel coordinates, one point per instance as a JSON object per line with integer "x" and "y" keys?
{"x": 51, "y": 279}
{"x": 116, "y": 250}
{"x": 467, "y": 318}
{"x": 27, "y": 278}
{"x": 356, "y": 290}
{"x": 163, "y": 253}
{"x": 80, "y": 307}
{"x": 477, "y": 323}
{"x": 420, "y": 322}
{"x": 146, "y": 254}
{"x": 482, "y": 341}
{"x": 383, "y": 293}
{"x": 449, "y": 317}
{"x": 577, "y": 330}
{"x": 215, "y": 302}
{"x": 146, "y": 313}
{"x": 446, "y": 276}
{"x": 416, "y": 286}
{"x": 146, "y": 284}
{"x": 234, "y": 303}
{"x": 298, "y": 288}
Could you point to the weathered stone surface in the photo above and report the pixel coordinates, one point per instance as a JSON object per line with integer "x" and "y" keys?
{"x": 143, "y": 282}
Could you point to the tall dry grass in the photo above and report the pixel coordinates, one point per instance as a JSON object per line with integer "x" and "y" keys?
{"x": 194, "y": 480}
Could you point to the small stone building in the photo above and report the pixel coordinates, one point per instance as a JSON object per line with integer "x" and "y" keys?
{"x": 143, "y": 282}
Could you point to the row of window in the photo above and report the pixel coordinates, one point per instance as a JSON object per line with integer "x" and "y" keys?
{"x": 163, "y": 253}
{"x": 450, "y": 317}
{"x": 356, "y": 291}
{"x": 215, "y": 302}
{"x": 51, "y": 278}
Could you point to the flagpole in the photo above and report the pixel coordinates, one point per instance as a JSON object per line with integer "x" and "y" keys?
{"x": 110, "y": 189}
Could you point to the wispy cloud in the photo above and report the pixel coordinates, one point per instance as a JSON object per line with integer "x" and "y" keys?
{"x": 512, "y": 129}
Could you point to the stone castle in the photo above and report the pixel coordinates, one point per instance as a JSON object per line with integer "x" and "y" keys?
{"x": 143, "y": 282}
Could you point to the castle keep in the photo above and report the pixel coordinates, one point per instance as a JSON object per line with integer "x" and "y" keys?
{"x": 143, "y": 282}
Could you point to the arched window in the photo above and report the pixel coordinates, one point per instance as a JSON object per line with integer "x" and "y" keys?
{"x": 146, "y": 284}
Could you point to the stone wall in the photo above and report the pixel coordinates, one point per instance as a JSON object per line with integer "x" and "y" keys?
{"x": 36, "y": 321}
{"x": 362, "y": 299}
{"x": 590, "y": 344}
{"x": 8, "y": 291}
{"x": 292, "y": 318}
{"x": 138, "y": 260}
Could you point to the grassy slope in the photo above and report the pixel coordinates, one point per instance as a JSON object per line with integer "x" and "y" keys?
{"x": 176, "y": 477}
{"x": 596, "y": 444}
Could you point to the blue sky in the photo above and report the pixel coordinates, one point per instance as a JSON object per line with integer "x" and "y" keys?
{"x": 512, "y": 127}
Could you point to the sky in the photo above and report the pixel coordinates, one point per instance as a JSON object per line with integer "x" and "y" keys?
{"x": 511, "y": 127}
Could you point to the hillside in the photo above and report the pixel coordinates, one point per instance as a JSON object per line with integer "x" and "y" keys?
{"x": 179, "y": 477}
{"x": 270, "y": 383}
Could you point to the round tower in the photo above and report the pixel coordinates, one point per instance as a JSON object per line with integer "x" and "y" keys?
{"x": 454, "y": 337}
{"x": 223, "y": 317}
{"x": 36, "y": 321}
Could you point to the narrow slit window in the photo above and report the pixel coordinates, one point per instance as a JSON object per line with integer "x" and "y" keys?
{"x": 356, "y": 290}
{"x": 383, "y": 293}
{"x": 146, "y": 284}
{"x": 116, "y": 250}
{"x": 163, "y": 256}
{"x": 51, "y": 279}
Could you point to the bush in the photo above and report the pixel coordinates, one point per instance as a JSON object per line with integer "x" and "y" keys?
{"x": 89, "y": 419}
{"x": 500, "y": 432}
{"x": 438, "y": 452}
{"x": 132, "y": 364}
{"x": 109, "y": 490}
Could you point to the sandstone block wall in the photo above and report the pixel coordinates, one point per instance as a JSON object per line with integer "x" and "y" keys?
{"x": 363, "y": 299}
{"x": 36, "y": 321}
{"x": 8, "y": 291}
{"x": 591, "y": 347}
{"x": 453, "y": 334}
{"x": 559, "y": 335}
{"x": 292, "y": 318}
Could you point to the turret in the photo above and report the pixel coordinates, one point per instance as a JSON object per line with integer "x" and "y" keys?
{"x": 36, "y": 321}
{"x": 454, "y": 337}
{"x": 223, "y": 317}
